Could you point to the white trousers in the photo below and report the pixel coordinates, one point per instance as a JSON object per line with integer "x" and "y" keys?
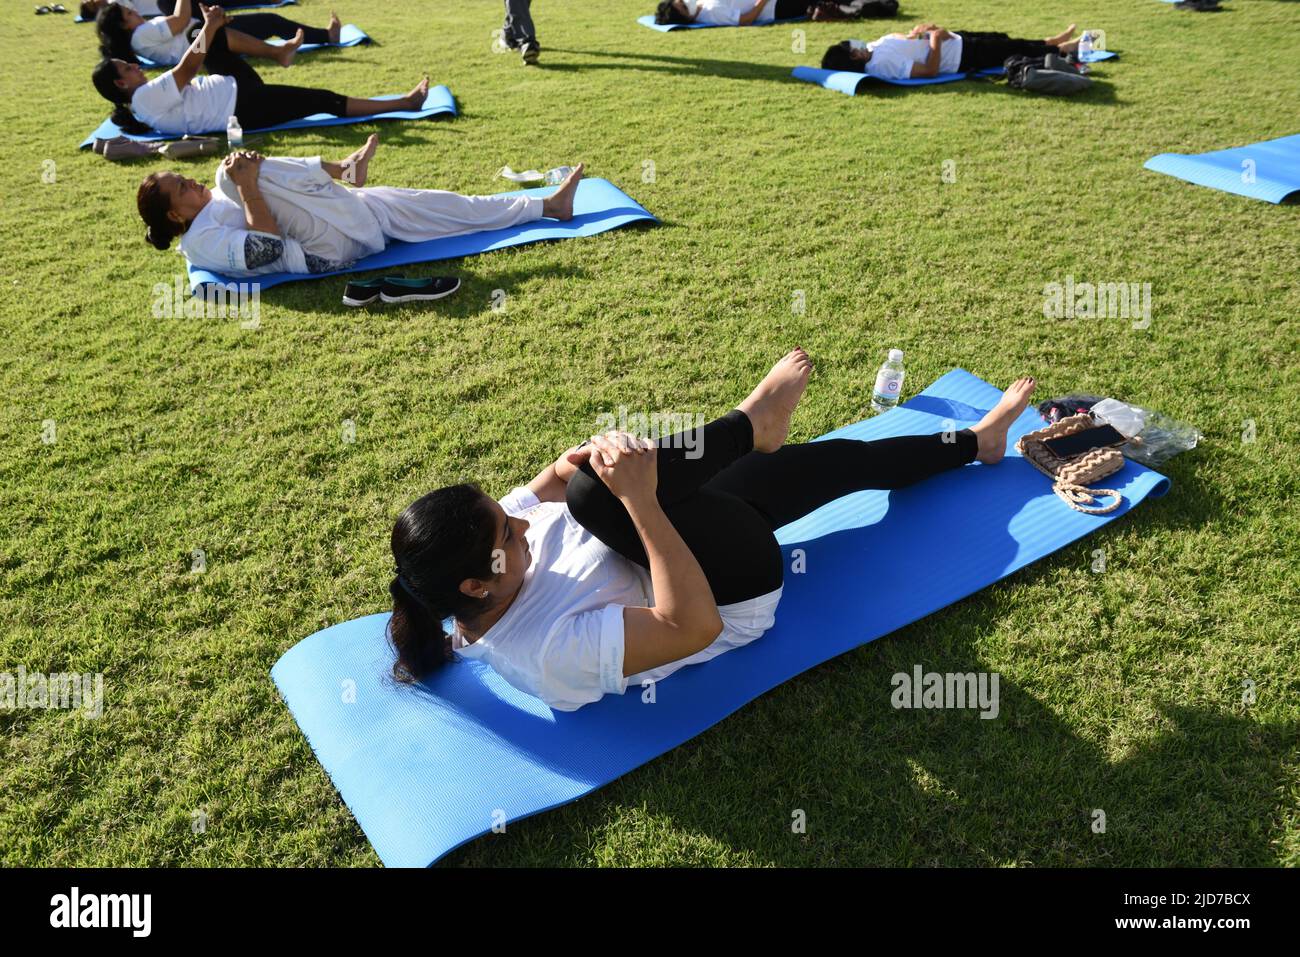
{"x": 324, "y": 219}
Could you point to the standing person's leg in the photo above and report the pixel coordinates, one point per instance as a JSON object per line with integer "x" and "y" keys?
{"x": 518, "y": 28}
{"x": 797, "y": 479}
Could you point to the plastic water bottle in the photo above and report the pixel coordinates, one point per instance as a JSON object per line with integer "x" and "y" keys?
{"x": 889, "y": 382}
{"x": 554, "y": 177}
{"x": 234, "y": 132}
{"x": 1084, "y": 51}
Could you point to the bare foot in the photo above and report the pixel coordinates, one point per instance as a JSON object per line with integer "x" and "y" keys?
{"x": 1062, "y": 37}
{"x": 559, "y": 205}
{"x": 992, "y": 429}
{"x": 357, "y": 166}
{"x": 415, "y": 99}
{"x": 290, "y": 49}
{"x": 335, "y": 27}
{"x": 772, "y": 402}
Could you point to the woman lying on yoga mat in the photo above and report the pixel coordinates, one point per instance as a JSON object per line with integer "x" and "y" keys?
{"x": 181, "y": 102}
{"x": 125, "y": 34}
{"x": 288, "y": 215}
{"x": 743, "y": 13}
{"x": 625, "y": 559}
{"x": 929, "y": 50}
{"x": 146, "y": 8}
{"x": 152, "y": 8}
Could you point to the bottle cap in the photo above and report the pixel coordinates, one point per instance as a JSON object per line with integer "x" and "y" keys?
{"x": 895, "y": 355}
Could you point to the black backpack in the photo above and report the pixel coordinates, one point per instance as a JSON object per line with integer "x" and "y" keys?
{"x": 1049, "y": 74}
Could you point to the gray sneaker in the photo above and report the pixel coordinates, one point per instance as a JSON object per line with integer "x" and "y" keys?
{"x": 530, "y": 51}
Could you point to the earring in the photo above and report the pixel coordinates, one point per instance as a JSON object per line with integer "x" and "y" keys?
{"x": 484, "y": 595}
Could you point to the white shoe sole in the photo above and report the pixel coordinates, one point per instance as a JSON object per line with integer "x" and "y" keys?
{"x": 358, "y": 302}
{"x": 419, "y": 296}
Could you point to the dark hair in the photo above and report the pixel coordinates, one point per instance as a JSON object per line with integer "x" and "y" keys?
{"x": 104, "y": 76}
{"x": 838, "y": 57}
{"x": 667, "y": 13}
{"x": 438, "y": 542}
{"x": 87, "y": 9}
{"x": 114, "y": 34}
{"x": 154, "y": 206}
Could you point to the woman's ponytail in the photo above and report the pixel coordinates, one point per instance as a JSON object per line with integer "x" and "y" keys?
{"x": 104, "y": 76}
{"x": 114, "y": 35}
{"x": 417, "y": 635}
{"x": 439, "y": 541}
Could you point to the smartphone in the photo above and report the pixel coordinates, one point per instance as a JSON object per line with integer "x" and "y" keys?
{"x": 1077, "y": 443}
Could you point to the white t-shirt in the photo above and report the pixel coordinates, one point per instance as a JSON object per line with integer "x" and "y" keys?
{"x": 155, "y": 41}
{"x": 203, "y": 106}
{"x": 562, "y": 637}
{"x": 146, "y": 8}
{"x": 892, "y": 57}
{"x": 726, "y": 13}
{"x": 217, "y": 240}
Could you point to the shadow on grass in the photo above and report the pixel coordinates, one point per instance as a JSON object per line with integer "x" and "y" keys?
{"x": 1100, "y": 92}
{"x": 677, "y": 65}
{"x": 882, "y": 786}
{"x": 476, "y": 293}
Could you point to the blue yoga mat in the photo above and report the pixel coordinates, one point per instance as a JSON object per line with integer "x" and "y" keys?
{"x": 649, "y": 21}
{"x": 350, "y": 35}
{"x": 425, "y": 768}
{"x": 1268, "y": 170}
{"x": 852, "y": 83}
{"x": 598, "y": 206}
{"x": 253, "y": 5}
{"x": 438, "y": 102}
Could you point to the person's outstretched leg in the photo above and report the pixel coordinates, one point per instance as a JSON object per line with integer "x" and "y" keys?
{"x": 986, "y": 52}
{"x": 416, "y": 215}
{"x": 248, "y": 45}
{"x": 797, "y": 479}
{"x": 263, "y": 26}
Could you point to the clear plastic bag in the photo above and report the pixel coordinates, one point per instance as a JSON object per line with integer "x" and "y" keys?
{"x": 1160, "y": 439}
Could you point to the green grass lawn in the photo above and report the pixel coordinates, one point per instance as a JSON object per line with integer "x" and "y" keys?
{"x": 1121, "y": 691}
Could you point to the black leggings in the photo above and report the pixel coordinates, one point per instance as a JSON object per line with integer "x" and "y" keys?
{"x": 984, "y": 51}
{"x": 263, "y": 26}
{"x": 727, "y": 502}
{"x": 791, "y": 9}
{"x": 259, "y": 104}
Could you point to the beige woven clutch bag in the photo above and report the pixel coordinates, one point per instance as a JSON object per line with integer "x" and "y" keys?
{"x": 1071, "y": 476}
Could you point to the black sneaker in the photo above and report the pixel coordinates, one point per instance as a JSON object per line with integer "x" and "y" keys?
{"x": 396, "y": 289}
{"x": 362, "y": 292}
{"x": 530, "y": 51}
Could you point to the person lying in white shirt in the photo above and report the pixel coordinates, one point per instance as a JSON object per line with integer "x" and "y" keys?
{"x": 628, "y": 559}
{"x": 929, "y": 50}
{"x": 290, "y": 215}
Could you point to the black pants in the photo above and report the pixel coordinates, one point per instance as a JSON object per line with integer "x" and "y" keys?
{"x": 984, "y": 51}
{"x": 791, "y": 9}
{"x": 263, "y": 26}
{"x": 726, "y": 503}
{"x": 518, "y": 28}
{"x": 258, "y": 104}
